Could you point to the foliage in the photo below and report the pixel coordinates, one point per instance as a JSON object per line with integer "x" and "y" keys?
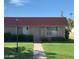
{"x": 66, "y": 34}
{"x": 7, "y": 36}
{"x": 54, "y": 39}
{"x": 71, "y": 23}
{"x": 21, "y": 38}
{"x": 44, "y": 39}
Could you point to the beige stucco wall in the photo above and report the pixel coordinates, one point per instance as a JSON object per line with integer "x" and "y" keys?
{"x": 13, "y": 29}
{"x": 58, "y": 33}
{"x": 10, "y": 29}
{"x": 36, "y": 31}
{"x": 42, "y": 32}
{"x": 61, "y": 32}
{"x": 25, "y": 30}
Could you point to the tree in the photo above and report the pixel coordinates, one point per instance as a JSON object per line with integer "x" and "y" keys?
{"x": 71, "y": 23}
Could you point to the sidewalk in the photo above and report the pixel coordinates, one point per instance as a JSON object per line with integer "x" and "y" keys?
{"x": 38, "y": 51}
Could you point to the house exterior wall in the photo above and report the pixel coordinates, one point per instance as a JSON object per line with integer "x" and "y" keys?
{"x": 52, "y": 31}
{"x": 10, "y": 29}
{"x": 61, "y": 32}
{"x": 43, "y": 32}
{"x": 40, "y": 31}
{"x": 37, "y": 31}
{"x": 25, "y": 30}
{"x": 13, "y": 29}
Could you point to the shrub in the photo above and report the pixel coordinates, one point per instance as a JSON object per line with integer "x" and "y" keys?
{"x": 58, "y": 39}
{"x": 7, "y": 37}
{"x": 14, "y": 38}
{"x": 44, "y": 39}
{"x": 54, "y": 39}
{"x": 66, "y": 34}
{"x": 29, "y": 38}
{"x": 21, "y": 38}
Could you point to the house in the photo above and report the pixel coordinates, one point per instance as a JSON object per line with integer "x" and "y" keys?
{"x": 38, "y": 26}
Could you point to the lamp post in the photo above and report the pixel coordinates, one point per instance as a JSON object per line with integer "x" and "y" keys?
{"x": 71, "y": 14}
{"x": 17, "y": 33}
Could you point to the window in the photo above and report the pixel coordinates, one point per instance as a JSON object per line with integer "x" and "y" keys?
{"x": 27, "y": 27}
{"x": 52, "y": 28}
{"x": 60, "y": 28}
{"x": 49, "y": 33}
{"x": 52, "y": 31}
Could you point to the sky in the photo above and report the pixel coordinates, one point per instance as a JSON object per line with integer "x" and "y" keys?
{"x": 38, "y": 8}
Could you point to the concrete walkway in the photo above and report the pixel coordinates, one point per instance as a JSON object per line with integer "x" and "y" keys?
{"x": 38, "y": 51}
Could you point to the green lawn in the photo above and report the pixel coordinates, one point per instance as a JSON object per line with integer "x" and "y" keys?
{"x": 25, "y": 51}
{"x": 59, "y": 50}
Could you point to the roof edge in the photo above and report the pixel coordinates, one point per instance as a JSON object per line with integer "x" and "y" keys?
{"x": 34, "y": 17}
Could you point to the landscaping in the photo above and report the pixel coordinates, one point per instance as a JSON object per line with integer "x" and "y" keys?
{"x": 24, "y": 51}
{"x": 59, "y": 50}
{"x": 56, "y": 48}
{"x": 8, "y": 37}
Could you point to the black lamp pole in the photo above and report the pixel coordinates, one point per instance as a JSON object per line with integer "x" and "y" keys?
{"x": 17, "y": 34}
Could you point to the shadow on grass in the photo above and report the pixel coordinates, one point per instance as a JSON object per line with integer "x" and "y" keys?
{"x": 18, "y": 42}
{"x": 51, "y": 55}
{"x": 10, "y": 53}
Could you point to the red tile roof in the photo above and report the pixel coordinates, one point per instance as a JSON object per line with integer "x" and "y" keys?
{"x": 36, "y": 21}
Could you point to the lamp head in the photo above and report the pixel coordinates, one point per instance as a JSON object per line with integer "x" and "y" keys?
{"x": 17, "y": 19}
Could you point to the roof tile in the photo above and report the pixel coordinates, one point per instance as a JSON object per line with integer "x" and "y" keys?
{"x": 36, "y": 21}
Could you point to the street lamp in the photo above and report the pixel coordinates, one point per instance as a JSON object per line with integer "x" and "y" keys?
{"x": 71, "y": 14}
{"x": 17, "y": 33}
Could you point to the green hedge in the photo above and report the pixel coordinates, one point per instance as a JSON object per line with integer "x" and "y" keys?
{"x": 54, "y": 39}
{"x": 7, "y": 36}
{"x": 21, "y": 38}
{"x": 66, "y": 34}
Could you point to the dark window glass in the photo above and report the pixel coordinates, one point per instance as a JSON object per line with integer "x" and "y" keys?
{"x": 27, "y": 27}
{"x": 52, "y": 28}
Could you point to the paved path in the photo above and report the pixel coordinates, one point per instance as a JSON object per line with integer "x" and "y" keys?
{"x": 38, "y": 51}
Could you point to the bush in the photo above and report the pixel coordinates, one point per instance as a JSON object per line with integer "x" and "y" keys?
{"x": 7, "y": 37}
{"x": 21, "y": 38}
{"x": 44, "y": 39}
{"x": 66, "y": 34}
{"x": 29, "y": 38}
{"x": 14, "y": 38}
{"x": 53, "y": 39}
{"x": 58, "y": 39}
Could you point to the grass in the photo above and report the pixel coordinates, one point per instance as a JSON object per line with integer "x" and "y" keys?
{"x": 59, "y": 50}
{"x": 24, "y": 51}
{"x": 52, "y": 50}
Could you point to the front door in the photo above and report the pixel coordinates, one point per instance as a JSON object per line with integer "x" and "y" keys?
{"x": 36, "y": 32}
